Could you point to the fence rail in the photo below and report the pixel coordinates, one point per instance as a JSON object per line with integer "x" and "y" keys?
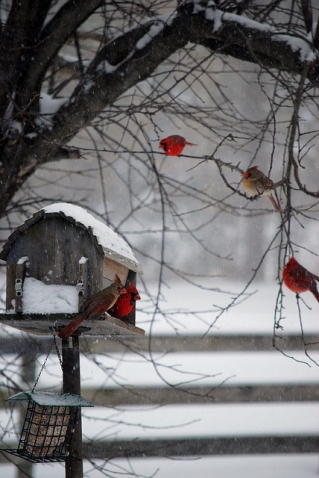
{"x": 194, "y": 395}
{"x": 202, "y": 447}
{"x": 165, "y": 344}
{"x": 194, "y": 447}
{"x": 226, "y": 394}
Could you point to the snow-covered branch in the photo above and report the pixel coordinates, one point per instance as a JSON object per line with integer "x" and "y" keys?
{"x": 134, "y": 56}
{"x": 122, "y": 60}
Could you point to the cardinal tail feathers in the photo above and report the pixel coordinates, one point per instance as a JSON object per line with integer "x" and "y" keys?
{"x": 274, "y": 202}
{"x": 68, "y": 330}
{"x": 315, "y": 293}
{"x": 190, "y": 144}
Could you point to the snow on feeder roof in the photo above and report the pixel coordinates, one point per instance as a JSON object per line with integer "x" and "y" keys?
{"x": 113, "y": 246}
{"x": 51, "y": 399}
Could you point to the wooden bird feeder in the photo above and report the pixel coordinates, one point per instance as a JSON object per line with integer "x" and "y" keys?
{"x": 55, "y": 261}
{"x": 48, "y": 425}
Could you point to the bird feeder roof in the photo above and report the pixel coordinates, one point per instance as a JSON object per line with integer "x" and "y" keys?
{"x": 113, "y": 246}
{"x": 50, "y": 399}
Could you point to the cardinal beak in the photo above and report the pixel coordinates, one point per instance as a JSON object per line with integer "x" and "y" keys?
{"x": 161, "y": 146}
{"x": 123, "y": 291}
{"x": 137, "y": 297}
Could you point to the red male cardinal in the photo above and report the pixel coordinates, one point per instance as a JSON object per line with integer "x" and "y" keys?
{"x": 125, "y": 303}
{"x": 174, "y": 145}
{"x": 95, "y": 306}
{"x": 298, "y": 279}
{"x": 257, "y": 183}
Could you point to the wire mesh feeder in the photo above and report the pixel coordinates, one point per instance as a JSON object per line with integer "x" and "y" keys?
{"x": 48, "y": 425}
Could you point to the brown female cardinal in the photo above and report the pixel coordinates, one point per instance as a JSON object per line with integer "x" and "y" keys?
{"x": 174, "y": 145}
{"x": 95, "y": 306}
{"x": 125, "y": 303}
{"x": 257, "y": 183}
{"x": 298, "y": 279}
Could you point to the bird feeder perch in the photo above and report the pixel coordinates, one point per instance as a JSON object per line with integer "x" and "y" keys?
{"x": 48, "y": 425}
{"x": 56, "y": 260}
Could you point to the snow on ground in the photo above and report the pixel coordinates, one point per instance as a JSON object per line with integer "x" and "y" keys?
{"x": 261, "y": 466}
{"x": 271, "y": 466}
{"x": 204, "y": 368}
{"x": 254, "y": 313}
{"x": 195, "y": 420}
{"x": 205, "y": 420}
{"x": 254, "y": 316}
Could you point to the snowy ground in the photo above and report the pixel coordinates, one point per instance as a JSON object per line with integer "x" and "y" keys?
{"x": 254, "y": 313}
{"x": 254, "y": 316}
{"x": 268, "y": 466}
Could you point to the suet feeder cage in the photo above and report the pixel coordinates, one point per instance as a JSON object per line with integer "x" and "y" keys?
{"x": 48, "y": 425}
{"x": 56, "y": 260}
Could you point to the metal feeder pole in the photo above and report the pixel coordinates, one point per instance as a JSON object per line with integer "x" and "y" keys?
{"x": 72, "y": 384}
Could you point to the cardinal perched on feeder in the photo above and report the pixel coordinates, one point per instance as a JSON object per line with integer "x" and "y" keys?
{"x": 125, "y": 303}
{"x": 257, "y": 183}
{"x": 174, "y": 145}
{"x": 298, "y": 279}
{"x": 95, "y": 306}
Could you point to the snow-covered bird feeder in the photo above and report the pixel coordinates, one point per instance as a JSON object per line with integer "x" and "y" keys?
{"x": 56, "y": 260}
{"x": 48, "y": 425}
